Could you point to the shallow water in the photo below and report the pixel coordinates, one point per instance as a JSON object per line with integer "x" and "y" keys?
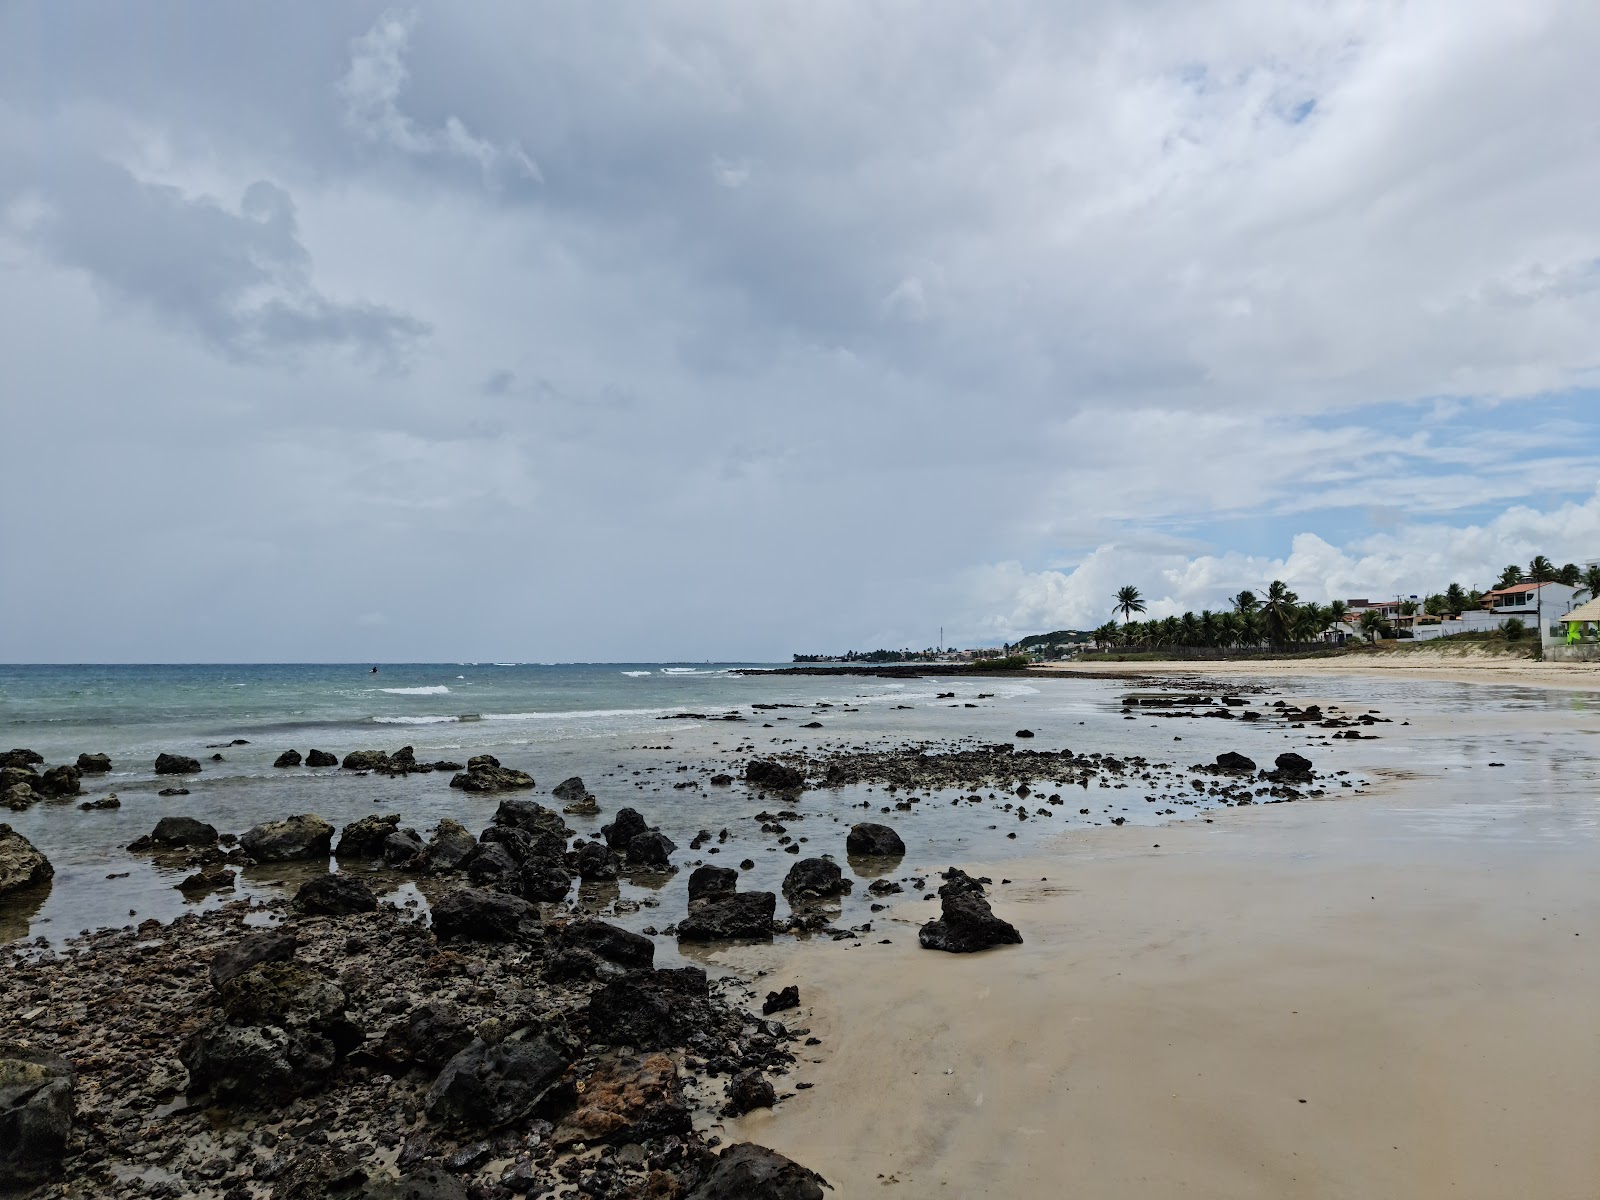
{"x": 605, "y": 724}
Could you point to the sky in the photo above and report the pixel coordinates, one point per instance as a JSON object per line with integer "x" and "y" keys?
{"x": 689, "y": 330}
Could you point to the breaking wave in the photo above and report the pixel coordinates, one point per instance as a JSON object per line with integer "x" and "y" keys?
{"x": 437, "y": 689}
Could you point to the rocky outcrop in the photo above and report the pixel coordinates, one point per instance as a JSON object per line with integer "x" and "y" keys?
{"x": 364, "y": 838}
{"x": 429, "y": 1036}
{"x": 59, "y": 781}
{"x": 19, "y": 796}
{"x": 487, "y": 1086}
{"x": 335, "y": 895}
{"x": 321, "y": 758}
{"x": 476, "y": 915}
{"x": 176, "y": 764}
{"x": 609, "y": 942}
{"x": 1233, "y": 761}
{"x": 171, "y": 833}
{"x": 627, "y": 1099}
{"x": 813, "y": 879}
{"x": 1291, "y": 768}
{"x": 249, "y": 951}
{"x": 21, "y": 865}
{"x": 649, "y": 1010}
{"x": 748, "y": 1091}
{"x": 531, "y": 817}
{"x": 294, "y": 839}
{"x": 750, "y": 1172}
{"x": 628, "y": 825}
{"x": 781, "y": 1001}
{"x": 730, "y": 918}
{"x": 595, "y": 862}
{"x": 365, "y": 760}
{"x": 448, "y": 846}
{"x": 485, "y": 778}
{"x": 94, "y": 764}
{"x": 876, "y": 841}
{"x": 639, "y": 844}
{"x": 109, "y": 801}
{"x": 966, "y": 923}
{"x": 289, "y": 758}
{"x": 21, "y": 758}
{"x": 574, "y": 797}
{"x": 773, "y": 776}
{"x": 37, "y": 1106}
{"x": 712, "y": 883}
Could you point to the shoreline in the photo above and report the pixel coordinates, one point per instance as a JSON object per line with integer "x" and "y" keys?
{"x": 1484, "y": 669}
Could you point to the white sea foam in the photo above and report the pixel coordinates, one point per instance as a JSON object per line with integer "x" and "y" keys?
{"x": 437, "y": 689}
{"x": 416, "y": 720}
{"x": 635, "y": 674}
{"x": 579, "y": 714}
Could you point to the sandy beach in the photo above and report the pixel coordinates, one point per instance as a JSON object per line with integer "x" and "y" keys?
{"x": 1391, "y": 996}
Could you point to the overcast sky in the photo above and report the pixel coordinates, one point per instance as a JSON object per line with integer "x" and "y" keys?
{"x": 725, "y": 330}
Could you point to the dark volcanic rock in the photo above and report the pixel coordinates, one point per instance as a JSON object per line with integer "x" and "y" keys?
{"x": 627, "y": 1099}
{"x": 788, "y": 998}
{"x": 335, "y": 895}
{"x": 1023, "y": 733}
{"x": 872, "y": 840}
{"x": 485, "y": 1087}
{"x": 649, "y": 1010}
{"x": 37, "y": 1105}
{"x": 182, "y": 831}
{"x": 176, "y": 764}
{"x": 427, "y": 1182}
{"x": 814, "y": 879}
{"x": 628, "y": 825}
{"x": 650, "y": 849}
{"x": 729, "y": 918}
{"x": 21, "y": 758}
{"x": 232, "y": 961}
{"x": 365, "y": 760}
{"x": 545, "y": 879}
{"x": 21, "y": 865}
{"x": 449, "y": 844}
{"x": 1232, "y": 760}
{"x": 774, "y": 776}
{"x": 574, "y": 797}
{"x": 59, "y": 781}
{"x": 532, "y": 817}
{"x": 213, "y": 877}
{"x": 748, "y": 1091}
{"x": 706, "y": 883}
{"x": 475, "y": 915}
{"x": 1293, "y": 768}
{"x": 750, "y": 1172}
{"x": 430, "y": 1035}
{"x": 293, "y": 839}
{"x": 403, "y": 848}
{"x": 491, "y": 864}
{"x": 966, "y": 923}
{"x": 289, "y": 758}
{"x": 321, "y": 758}
{"x": 487, "y": 779}
{"x": 595, "y": 862}
{"x": 364, "y": 838}
{"x": 94, "y": 764}
{"x": 256, "y": 1065}
{"x": 614, "y": 944}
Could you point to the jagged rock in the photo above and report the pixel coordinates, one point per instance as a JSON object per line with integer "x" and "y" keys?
{"x": 648, "y": 1010}
{"x": 364, "y": 838}
{"x": 318, "y": 1173}
{"x": 749, "y": 1172}
{"x": 595, "y": 862}
{"x": 627, "y": 1098}
{"x": 1232, "y": 760}
{"x": 1023, "y": 733}
{"x": 872, "y": 840}
{"x": 570, "y": 791}
{"x": 449, "y": 844}
{"x": 289, "y": 758}
{"x": 531, "y": 817}
{"x": 94, "y": 764}
{"x": 176, "y": 764}
{"x": 491, "y": 863}
{"x": 172, "y": 832}
{"x": 814, "y": 879}
{"x": 213, "y": 877}
{"x": 19, "y": 797}
{"x": 404, "y": 848}
{"x": 293, "y": 839}
{"x": 729, "y": 918}
{"x": 109, "y": 801}
{"x": 12, "y": 776}
{"x": 788, "y": 998}
{"x": 650, "y": 849}
{"x": 365, "y": 760}
{"x": 711, "y": 883}
{"x": 59, "y": 781}
{"x": 21, "y": 865}
{"x": 250, "y": 950}
{"x": 1292, "y": 768}
{"x": 748, "y": 1091}
{"x": 545, "y": 879}
{"x": 610, "y": 942}
{"x": 21, "y": 758}
{"x": 321, "y": 758}
{"x": 38, "y": 1094}
{"x": 475, "y": 915}
{"x": 966, "y": 923}
{"x": 488, "y": 1086}
{"x": 722, "y": 780}
{"x": 628, "y": 825}
{"x": 427, "y": 1036}
{"x": 482, "y": 760}
{"x": 485, "y": 779}
{"x": 774, "y": 776}
{"x": 335, "y": 895}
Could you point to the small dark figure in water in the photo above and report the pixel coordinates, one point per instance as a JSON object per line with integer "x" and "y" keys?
{"x": 374, "y": 670}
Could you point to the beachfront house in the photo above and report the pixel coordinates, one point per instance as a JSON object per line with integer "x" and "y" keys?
{"x": 1581, "y": 637}
{"x": 1539, "y": 606}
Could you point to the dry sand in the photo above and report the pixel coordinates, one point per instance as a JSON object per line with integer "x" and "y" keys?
{"x": 1455, "y": 665}
{"x": 1393, "y": 996}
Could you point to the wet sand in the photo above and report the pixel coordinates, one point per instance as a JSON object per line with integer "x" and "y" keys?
{"x": 1393, "y": 996}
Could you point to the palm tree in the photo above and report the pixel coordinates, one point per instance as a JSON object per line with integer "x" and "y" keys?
{"x": 1193, "y": 635}
{"x": 1455, "y": 600}
{"x": 1171, "y": 632}
{"x": 1570, "y": 574}
{"x": 1591, "y": 581}
{"x": 1278, "y": 612}
{"x": 1541, "y": 570}
{"x": 1374, "y": 625}
{"x": 1210, "y": 634}
{"x": 1128, "y": 601}
{"x": 1245, "y": 602}
{"x": 1227, "y": 629}
{"x": 1510, "y": 577}
{"x": 1106, "y": 635}
{"x": 1248, "y": 630}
